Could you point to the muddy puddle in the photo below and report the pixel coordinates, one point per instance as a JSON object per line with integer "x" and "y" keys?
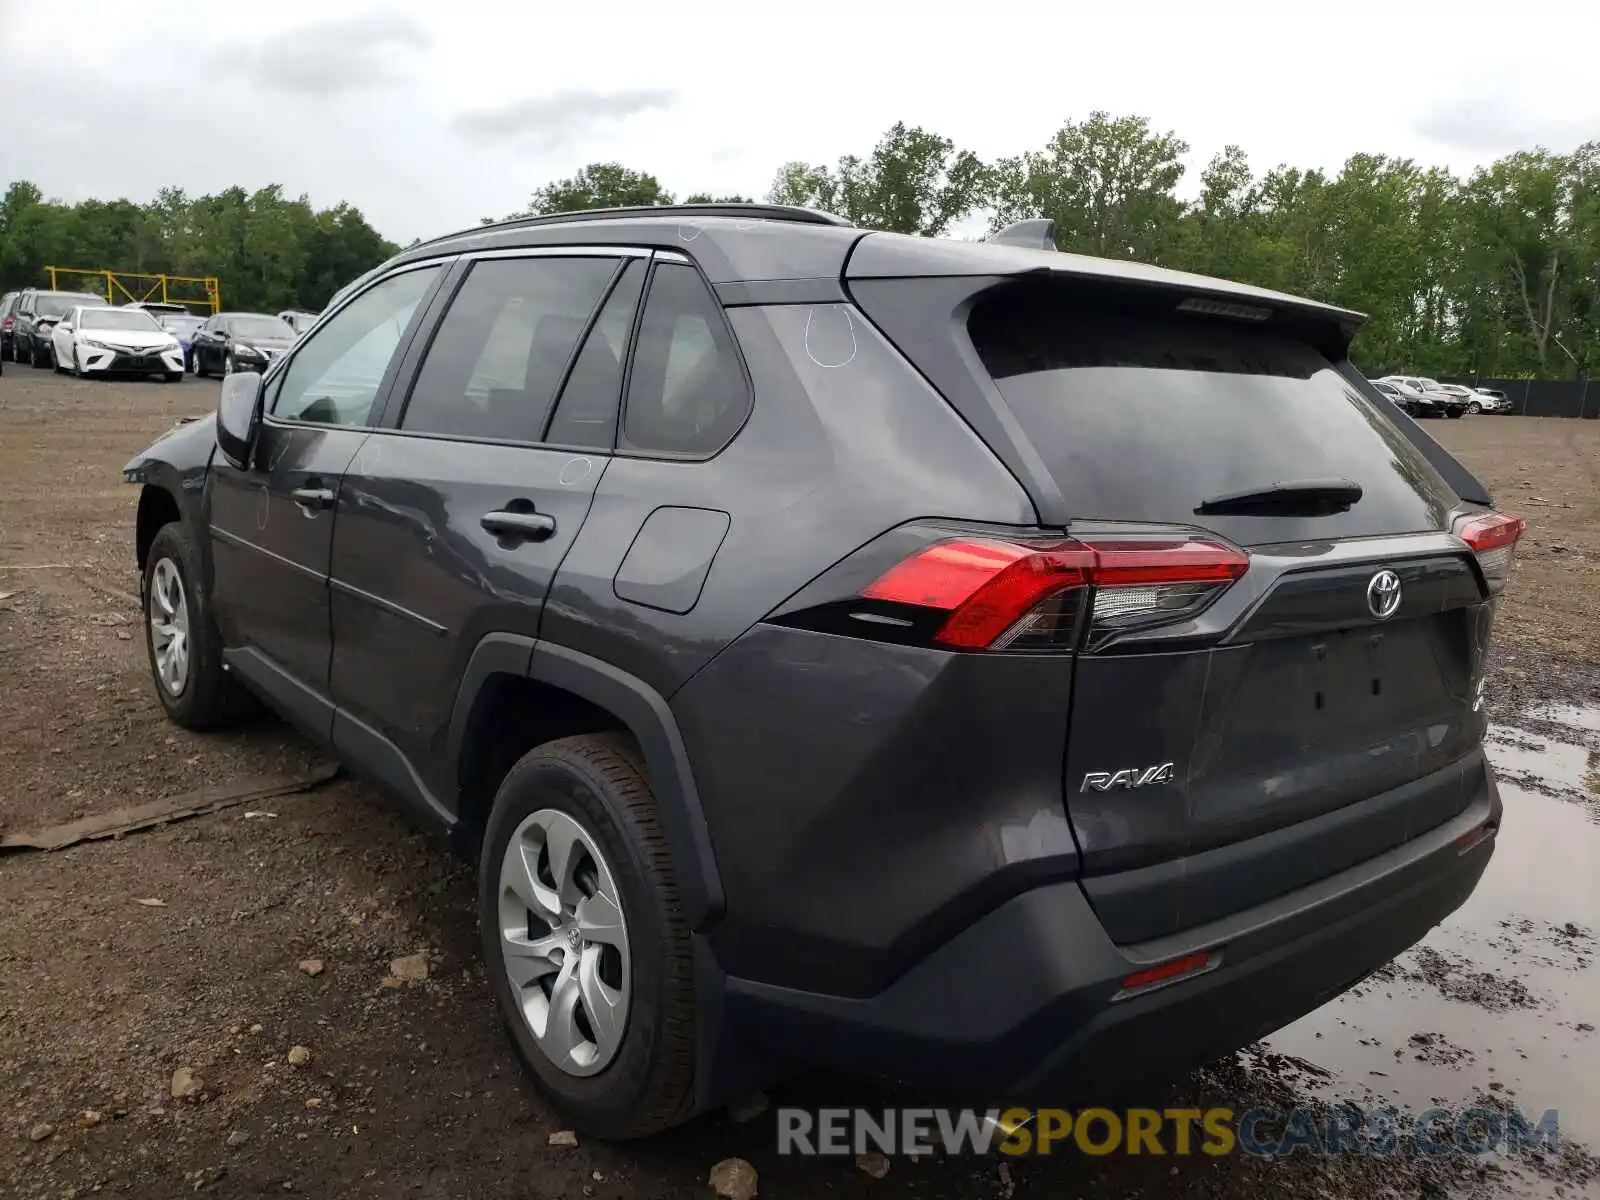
{"x": 1501, "y": 1002}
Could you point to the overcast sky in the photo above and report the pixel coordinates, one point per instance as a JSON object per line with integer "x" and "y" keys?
{"x": 429, "y": 115}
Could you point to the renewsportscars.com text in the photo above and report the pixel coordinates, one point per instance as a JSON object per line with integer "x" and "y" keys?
{"x": 1264, "y": 1132}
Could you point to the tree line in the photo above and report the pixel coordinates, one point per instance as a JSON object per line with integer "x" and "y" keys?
{"x": 1496, "y": 274}
{"x": 268, "y": 252}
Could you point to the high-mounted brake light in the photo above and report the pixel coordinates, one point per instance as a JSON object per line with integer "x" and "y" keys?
{"x": 1493, "y": 538}
{"x": 1002, "y": 595}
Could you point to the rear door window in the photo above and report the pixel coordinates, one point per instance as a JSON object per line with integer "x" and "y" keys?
{"x": 1142, "y": 416}
{"x": 501, "y": 352}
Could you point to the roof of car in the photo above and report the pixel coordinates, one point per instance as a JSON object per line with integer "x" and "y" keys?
{"x": 747, "y": 242}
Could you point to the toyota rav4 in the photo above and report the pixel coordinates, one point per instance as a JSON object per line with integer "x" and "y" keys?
{"x": 969, "y": 665}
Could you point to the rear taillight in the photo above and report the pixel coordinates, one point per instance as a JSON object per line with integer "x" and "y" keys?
{"x": 1003, "y": 595}
{"x": 1493, "y": 538}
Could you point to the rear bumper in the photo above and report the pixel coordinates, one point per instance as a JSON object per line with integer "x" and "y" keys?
{"x": 1023, "y": 1006}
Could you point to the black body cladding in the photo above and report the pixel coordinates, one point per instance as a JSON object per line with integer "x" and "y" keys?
{"x": 639, "y": 470}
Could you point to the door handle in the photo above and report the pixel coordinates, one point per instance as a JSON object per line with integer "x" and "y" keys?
{"x": 524, "y": 526}
{"x": 313, "y": 497}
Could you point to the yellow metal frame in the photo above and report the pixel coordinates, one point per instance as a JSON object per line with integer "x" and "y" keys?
{"x": 129, "y": 283}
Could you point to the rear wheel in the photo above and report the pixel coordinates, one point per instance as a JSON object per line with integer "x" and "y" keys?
{"x": 184, "y": 648}
{"x": 1474, "y": 407}
{"x": 587, "y": 950}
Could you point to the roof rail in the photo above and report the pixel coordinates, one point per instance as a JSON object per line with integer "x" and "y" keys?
{"x": 750, "y": 212}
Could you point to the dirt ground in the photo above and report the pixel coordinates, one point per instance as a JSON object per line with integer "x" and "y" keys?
{"x": 124, "y": 961}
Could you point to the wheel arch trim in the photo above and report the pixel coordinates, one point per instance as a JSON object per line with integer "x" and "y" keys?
{"x": 646, "y": 715}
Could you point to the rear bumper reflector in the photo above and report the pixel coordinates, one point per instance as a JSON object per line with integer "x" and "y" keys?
{"x": 1168, "y": 972}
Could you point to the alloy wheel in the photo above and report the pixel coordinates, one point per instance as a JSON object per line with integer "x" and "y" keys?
{"x": 169, "y": 627}
{"x": 564, "y": 941}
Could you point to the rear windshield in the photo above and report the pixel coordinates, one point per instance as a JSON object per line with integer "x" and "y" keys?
{"x": 1143, "y": 416}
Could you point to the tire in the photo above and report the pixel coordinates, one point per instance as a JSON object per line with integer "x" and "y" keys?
{"x": 646, "y": 1083}
{"x": 36, "y": 359}
{"x": 207, "y": 696}
{"x": 1474, "y": 407}
{"x": 200, "y": 371}
{"x": 229, "y": 366}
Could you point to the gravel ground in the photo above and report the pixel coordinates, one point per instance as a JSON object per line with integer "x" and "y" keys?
{"x": 180, "y": 950}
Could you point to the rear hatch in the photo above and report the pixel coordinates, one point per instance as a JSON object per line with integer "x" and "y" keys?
{"x": 1311, "y": 697}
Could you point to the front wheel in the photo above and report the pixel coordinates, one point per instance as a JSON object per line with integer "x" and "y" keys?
{"x": 200, "y": 371}
{"x": 228, "y": 365}
{"x": 1474, "y": 408}
{"x": 184, "y": 647}
{"x": 587, "y": 950}
{"x": 37, "y": 359}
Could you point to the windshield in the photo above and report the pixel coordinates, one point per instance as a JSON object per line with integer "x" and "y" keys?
{"x": 258, "y": 327}
{"x": 181, "y": 323}
{"x": 1143, "y": 416}
{"x": 59, "y": 304}
{"x": 129, "y": 319}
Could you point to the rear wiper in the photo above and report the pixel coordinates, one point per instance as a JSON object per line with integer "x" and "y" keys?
{"x": 1294, "y": 497}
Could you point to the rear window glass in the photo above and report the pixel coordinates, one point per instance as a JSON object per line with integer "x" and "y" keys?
{"x": 1142, "y": 416}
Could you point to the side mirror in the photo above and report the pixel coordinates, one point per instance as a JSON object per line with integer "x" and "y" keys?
{"x": 238, "y": 415}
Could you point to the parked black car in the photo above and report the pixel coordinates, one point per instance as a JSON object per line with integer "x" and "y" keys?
{"x": 35, "y": 317}
{"x": 230, "y": 342}
{"x": 1413, "y": 403}
{"x": 962, "y": 664}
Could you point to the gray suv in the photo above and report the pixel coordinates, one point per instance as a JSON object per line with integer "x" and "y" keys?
{"x": 968, "y": 665}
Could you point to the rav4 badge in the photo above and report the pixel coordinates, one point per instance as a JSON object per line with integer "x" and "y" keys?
{"x": 1129, "y": 777}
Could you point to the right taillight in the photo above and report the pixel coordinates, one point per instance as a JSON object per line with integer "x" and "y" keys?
{"x": 1002, "y": 595}
{"x": 1493, "y": 538}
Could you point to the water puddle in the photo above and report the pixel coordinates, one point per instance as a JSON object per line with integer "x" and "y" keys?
{"x": 1503, "y": 999}
{"x": 1573, "y": 716}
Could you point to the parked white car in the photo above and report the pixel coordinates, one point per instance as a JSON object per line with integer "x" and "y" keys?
{"x": 98, "y": 341}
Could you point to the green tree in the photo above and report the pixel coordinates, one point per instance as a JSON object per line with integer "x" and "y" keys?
{"x": 914, "y": 181}
{"x": 599, "y": 185}
{"x": 1107, "y": 183}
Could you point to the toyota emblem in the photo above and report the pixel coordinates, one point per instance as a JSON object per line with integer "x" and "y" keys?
{"x": 1383, "y": 594}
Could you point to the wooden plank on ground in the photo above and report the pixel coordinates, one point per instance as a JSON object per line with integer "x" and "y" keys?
{"x": 161, "y": 812}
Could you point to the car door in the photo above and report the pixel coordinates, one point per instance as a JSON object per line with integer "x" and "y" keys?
{"x": 61, "y": 338}
{"x": 22, "y": 328}
{"x": 272, "y": 523}
{"x": 453, "y": 521}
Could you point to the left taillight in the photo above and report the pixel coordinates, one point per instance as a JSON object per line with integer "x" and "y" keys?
{"x": 1492, "y": 537}
{"x": 995, "y": 594}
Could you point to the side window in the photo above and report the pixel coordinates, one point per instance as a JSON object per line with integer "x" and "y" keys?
{"x": 687, "y": 393}
{"x": 587, "y": 412}
{"x": 334, "y": 377}
{"x": 498, "y": 357}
